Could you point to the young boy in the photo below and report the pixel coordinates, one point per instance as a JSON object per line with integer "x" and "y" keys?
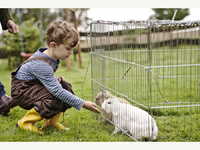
{"x": 35, "y": 88}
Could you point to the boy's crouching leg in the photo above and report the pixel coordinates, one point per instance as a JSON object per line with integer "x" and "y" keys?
{"x": 30, "y": 118}
{"x": 54, "y": 122}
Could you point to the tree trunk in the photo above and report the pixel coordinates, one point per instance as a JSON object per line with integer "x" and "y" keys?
{"x": 79, "y": 56}
{"x": 70, "y": 16}
{"x": 68, "y": 63}
{"x": 78, "y": 46}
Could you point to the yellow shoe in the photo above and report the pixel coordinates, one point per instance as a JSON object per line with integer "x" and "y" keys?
{"x": 27, "y": 122}
{"x": 54, "y": 122}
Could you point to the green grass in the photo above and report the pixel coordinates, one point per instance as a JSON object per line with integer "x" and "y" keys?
{"x": 178, "y": 85}
{"x": 155, "y": 86}
{"x": 174, "y": 124}
{"x": 84, "y": 125}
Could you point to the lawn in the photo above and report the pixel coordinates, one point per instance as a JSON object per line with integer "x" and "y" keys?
{"x": 172, "y": 75}
{"x": 166, "y": 78}
{"x": 84, "y": 125}
{"x": 174, "y": 124}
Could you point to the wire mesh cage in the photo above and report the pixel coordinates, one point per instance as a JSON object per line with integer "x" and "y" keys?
{"x": 154, "y": 65}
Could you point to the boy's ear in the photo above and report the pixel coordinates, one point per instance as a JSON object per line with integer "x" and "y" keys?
{"x": 52, "y": 44}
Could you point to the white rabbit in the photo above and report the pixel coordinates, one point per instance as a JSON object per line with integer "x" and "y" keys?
{"x": 132, "y": 119}
{"x": 104, "y": 95}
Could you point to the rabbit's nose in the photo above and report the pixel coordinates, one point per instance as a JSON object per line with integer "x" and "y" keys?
{"x": 103, "y": 111}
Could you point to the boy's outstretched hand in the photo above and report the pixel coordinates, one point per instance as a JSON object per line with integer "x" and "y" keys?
{"x": 91, "y": 106}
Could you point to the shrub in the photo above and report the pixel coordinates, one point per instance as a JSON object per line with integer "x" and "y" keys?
{"x": 27, "y": 40}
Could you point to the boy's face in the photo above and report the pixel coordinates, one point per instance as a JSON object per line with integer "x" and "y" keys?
{"x": 62, "y": 51}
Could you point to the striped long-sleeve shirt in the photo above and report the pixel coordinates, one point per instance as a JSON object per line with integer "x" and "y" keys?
{"x": 40, "y": 70}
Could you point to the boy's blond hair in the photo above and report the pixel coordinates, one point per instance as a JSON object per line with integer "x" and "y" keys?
{"x": 62, "y": 32}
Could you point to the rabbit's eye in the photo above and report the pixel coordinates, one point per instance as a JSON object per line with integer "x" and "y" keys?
{"x": 109, "y": 102}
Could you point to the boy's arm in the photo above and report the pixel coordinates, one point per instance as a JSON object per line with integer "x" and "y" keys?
{"x": 44, "y": 73}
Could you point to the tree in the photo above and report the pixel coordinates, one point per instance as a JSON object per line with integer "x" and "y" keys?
{"x": 28, "y": 40}
{"x": 168, "y": 13}
{"x": 78, "y": 17}
{"x": 41, "y": 16}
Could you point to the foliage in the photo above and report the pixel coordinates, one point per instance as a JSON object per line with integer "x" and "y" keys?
{"x": 27, "y": 40}
{"x": 30, "y": 36}
{"x": 77, "y": 16}
{"x": 41, "y": 17}
{"x": 168, "y": 13}
{"x": 44, "y": 16}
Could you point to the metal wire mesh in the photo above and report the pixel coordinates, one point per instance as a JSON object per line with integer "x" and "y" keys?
{"x": 152, "y": 64}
